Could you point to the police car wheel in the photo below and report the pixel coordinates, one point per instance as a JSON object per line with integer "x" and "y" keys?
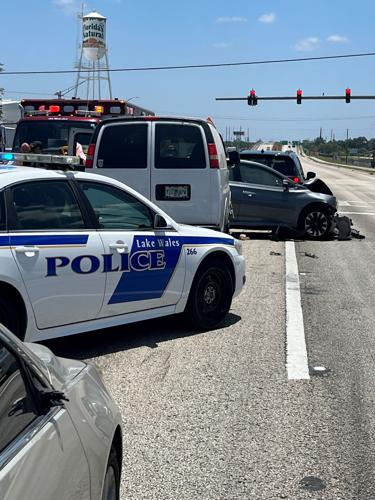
{"x": 9, "y": 317}
{"x": 211, "y": 295}
{"x": 111, "y": 487}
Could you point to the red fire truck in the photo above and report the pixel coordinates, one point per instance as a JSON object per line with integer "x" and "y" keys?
{"x": 58, "y": 124}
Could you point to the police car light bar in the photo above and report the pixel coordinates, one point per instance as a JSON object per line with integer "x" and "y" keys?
{"x": 43, "y": 159}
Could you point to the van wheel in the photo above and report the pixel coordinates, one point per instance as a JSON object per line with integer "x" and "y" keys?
{"x": 210, "y": 295}
{"x": 9, "y": 317}
{"x": 111, "y": 487}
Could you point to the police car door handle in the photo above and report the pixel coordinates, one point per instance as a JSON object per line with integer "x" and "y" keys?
{"x": 120, "y": 246}
{"x": 28, "y": 250}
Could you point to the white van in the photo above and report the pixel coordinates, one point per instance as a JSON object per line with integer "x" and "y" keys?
{"x": 178, "y": 163}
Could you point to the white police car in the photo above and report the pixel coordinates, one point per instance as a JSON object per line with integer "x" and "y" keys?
{"x": 80, "y": 252}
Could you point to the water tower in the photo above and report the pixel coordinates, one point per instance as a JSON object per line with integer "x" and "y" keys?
{"x": 93, "y": 68}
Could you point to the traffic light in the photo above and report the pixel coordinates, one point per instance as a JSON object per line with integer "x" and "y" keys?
{"x": 299, "y": 96}
{"x": 252, "y": 99}
{"x": 347, "y": 95}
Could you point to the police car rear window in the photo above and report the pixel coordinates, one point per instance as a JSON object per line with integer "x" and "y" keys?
{"x": 179, "y": 147}
{"x": 2, "y": 212}
{"x": 46, "y": 205}
{"x": 123, "y": 146}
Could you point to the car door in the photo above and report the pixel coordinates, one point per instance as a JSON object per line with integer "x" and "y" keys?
{"x": 124, "y": 154}
{"x": 259, "y": 196}
{"x": 41, "y": 456}
{"x": 145, "y": 269}
{"x": 182, "y": 183}
{"x": 58, "y": 257}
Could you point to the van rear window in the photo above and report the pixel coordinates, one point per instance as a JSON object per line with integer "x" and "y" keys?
{"x": 123, "y": 146}
{"x": 179, "y": 147}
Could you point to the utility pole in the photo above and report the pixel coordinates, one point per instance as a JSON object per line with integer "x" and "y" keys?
{"x": 347, "y": 138}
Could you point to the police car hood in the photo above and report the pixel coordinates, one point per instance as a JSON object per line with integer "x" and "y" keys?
{"x": 201, "y": 231}
{"x": 59, "y": 371}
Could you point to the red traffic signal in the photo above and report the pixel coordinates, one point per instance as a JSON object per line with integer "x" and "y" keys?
{"x": 299, "y": 96}
{"x": 347, "y": 95}
{"x": 252, "y": 99}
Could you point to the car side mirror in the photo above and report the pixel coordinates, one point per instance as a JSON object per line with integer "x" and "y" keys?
{"x": 286, "y": 184}
{"x": 160, "y": 222}
{"x": 310, "y": 175}
{"x": 234, "y": 158}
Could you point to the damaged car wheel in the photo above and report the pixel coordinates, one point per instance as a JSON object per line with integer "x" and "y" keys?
{"x": 316, "y": 223}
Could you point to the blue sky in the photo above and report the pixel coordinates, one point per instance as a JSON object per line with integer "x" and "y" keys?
{"x": 42, "y": 35}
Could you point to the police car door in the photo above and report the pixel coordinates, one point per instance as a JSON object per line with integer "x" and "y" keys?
{"x": 145, "y": 269}
{"x": 57, "y": 257}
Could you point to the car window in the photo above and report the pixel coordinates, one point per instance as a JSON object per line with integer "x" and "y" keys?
{"x": 17, "y": 408}
{"x": 116, "y": 209}
{"x": 46, "y": 205}
{"x": 123, "y": 146}
{"x": 256, "y": 175}
{"x": 282, "y": 164}
{"x": 2, "y": 212}
{"x": 179, "y": 146}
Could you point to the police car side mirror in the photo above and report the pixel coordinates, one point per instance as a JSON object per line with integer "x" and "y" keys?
{"x": 160, "y": 222}
{"x": 310, "y": 175}
{"x": 234, "y": 158}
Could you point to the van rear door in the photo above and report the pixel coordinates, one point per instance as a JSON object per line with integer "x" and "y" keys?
{"x": 180, "y": 180}
{"x": 124, "y": 154}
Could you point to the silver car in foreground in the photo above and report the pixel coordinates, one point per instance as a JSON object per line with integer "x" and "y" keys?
{"x": 60, "y": 431}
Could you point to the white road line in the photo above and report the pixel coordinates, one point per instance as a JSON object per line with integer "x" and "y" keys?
{"x": 296, "y": 353}
{"x": 357, "y": 213}
{"x": 344, "y": 203}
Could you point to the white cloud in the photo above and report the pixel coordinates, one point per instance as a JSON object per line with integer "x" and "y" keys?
{"x": 267, "y": 18}
{"x": 307, "y": 44}
{"x": 337, "y": 39}
{"x": 232, "y": 19}
{"x": 222, "y": 45}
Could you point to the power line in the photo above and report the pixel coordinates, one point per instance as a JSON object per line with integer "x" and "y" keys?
{"x": 193, "y": 66}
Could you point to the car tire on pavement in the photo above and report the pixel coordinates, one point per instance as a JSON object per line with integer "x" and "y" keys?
{"x": 111, "y": 487}
{"x": 9, "y": 317}
{"x": 210, "y": 295}
{"x": 316, "y": 223}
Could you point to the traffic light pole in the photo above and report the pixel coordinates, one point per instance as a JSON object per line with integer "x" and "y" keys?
{"x": 303, "y": 98}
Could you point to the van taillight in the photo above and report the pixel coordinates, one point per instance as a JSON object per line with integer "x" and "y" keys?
{"x": 90, "y": 156}
{"x": 212, "y": 154}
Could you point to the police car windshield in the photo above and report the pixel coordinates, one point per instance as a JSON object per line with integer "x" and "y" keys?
{"x": 282, "y": 164}
{"x": 52, "y": 134}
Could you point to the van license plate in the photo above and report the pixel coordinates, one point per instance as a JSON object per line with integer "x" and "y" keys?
{"x": 173, "y": 192}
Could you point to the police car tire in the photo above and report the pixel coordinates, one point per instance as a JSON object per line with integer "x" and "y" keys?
{"x": 9, "y": 317}
{"x": 210, "y": 296}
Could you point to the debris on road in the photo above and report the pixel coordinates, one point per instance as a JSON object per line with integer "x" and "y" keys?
{"x": 275, "y": 253}
{"x": 312, "y": 255}
{"x": 344, "y": 230}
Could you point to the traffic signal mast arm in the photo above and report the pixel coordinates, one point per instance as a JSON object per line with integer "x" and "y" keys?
{"x": 347, "y": 97}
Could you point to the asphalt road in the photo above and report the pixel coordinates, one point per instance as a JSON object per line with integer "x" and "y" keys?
{"x": 214, "y": 415}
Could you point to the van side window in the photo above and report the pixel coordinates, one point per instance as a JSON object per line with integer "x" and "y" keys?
{"x": 179, "y": 146}
{"x": 123, "y": 146}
